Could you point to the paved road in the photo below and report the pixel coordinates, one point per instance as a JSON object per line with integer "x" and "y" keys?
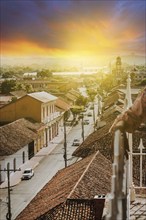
{"x": 23, "y": 193}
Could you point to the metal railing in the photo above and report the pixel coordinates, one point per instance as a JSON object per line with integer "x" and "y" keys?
{"x": 119, "y": 197}
{"x": 51, "y": 117}
{"x": 140, "y": 154}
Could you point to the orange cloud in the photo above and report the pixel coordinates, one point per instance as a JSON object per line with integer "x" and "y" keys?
{"x": 77, "y": 39}
{"x": 15, "y": 48}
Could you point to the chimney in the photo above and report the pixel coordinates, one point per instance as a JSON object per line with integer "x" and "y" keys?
{"x": 99, "y": 201}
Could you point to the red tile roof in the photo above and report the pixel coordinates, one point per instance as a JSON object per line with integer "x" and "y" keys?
{"x": 60, "y": 103}
{"x": 16, "y": 135}
{"x": 112, "y": 99}
{"x": 75, "y": 209}
{"x": 102, "y": 140}
{"x": 98, "y": 140}
{"x": 18, "y": 93}
{"x": 82, "y": 180}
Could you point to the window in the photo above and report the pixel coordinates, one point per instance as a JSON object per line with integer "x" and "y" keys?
{"x": 0, "y": 175}
{"x": 47, "y": 110}
{"x": 8, "y": 166}
{"x": 23, "y": 157}
{"x": 43, "y": 112}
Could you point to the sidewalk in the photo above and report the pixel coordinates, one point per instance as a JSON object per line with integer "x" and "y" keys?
{"x": 15, "y": 178}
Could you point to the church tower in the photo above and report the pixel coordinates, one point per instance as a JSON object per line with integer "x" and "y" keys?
{"x": 117, "y": 70}
{"x": 118, "y": 66}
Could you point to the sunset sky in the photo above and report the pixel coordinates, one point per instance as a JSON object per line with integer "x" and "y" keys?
{"x": 72, "y": 28}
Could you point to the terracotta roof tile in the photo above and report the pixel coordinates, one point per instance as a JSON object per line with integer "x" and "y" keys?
{"x": 75, "y": 209}
{"x": 83, "y": 180}
{"x": 16, "y": 135}
{"x": 60, "y": 103}
{"x": 98, "y": 140}
{"x": 70, "y": 96}
{"x": 75, "y": 93}
{"x": 18, "y": 93}
{"x": 112, "y": 99}
{"x": 102, "y": 140}
{"x": 113, "y": 110}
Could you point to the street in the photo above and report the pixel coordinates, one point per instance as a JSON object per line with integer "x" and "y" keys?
{"x": 25, "y": 191}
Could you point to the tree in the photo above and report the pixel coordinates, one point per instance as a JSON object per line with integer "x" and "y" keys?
{"x": 108, "y": 83}
{"x": 14, "y": 99}
{"x": 76, "y": 110}
{"x": 81, "y": 100}
{"x": 19, "y": 86}
{"x": 29, "y": 88}
{"x": 143, "y": 82}
{"x": 92, "y": 93}
{"x": 7, "y": 75}
{"x": 8, "y": 86}
{"x": 44, "y": 73}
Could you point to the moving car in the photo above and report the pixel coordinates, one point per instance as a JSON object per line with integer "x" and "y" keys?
{"x": 76, "y": 142}
{"x": 27, "y": 174}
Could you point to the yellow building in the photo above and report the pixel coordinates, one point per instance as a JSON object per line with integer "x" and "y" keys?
{"x": 38, "y": 106}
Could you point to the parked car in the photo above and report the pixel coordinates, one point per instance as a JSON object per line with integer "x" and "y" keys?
{"x": 76, "y": 142}
{"x": 27, "y": 174}
{"x": 86, "y": 122}
{"x": 89, "y": 114}
{"x": 80, "y": 116}
{"x": 92, "y": 107}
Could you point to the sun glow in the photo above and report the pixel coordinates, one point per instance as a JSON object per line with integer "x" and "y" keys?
{"x": 88, "y": 39}
{"x": 78, "y": 40}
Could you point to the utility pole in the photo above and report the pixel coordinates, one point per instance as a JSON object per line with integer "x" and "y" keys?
{"x": 65, "y": 143}
{"x": 83, "y": 127}
{"x": 9, "y": 214}
{"x": 9, "y": 196}
{"x": 93, "y": 116}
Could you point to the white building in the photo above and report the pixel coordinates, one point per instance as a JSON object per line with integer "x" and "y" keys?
{"x": 18, "y": 144}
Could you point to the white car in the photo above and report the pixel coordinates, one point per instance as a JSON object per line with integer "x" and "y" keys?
{"x": 27, "y": 174}
{"x": 86, "y": 122}
{"x": 76, "y": 142}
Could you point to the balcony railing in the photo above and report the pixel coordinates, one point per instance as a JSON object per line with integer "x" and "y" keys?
{"x": 51, "y": 117}
{"x": 119, "y": 197}
{"x": 123, "y": 190}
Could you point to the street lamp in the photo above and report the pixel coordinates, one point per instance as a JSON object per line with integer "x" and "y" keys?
{"x": 93, "y": 116}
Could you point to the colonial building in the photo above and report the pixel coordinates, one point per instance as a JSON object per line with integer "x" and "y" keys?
{"x": 20, "y": 141}
{"x": 139, "y": 75}
{"x": 38, "y": 106}
{"x": 23, "y": 137}
{"x": 32, "y": 75}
